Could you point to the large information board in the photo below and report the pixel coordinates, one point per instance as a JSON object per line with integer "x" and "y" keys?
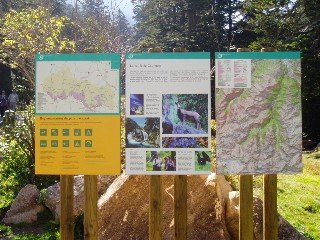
{"x": 77, "y": 114}
{"x": 258, "y": 112}
{"x": 168, "y": 112}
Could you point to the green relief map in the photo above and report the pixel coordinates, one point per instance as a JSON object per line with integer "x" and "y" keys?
{"x": 259, "y": 128}
{"x": 77, "y": 87}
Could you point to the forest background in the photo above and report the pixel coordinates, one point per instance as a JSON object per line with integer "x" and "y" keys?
{"x": 47, "y": 26}
{"x": 28, "y": 27}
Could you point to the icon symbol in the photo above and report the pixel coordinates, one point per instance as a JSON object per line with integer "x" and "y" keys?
{"x": 77, "y": 143}
{"x": 54, "y": 143}
{"x": 43, "y": 143}
{"x": 54, "y": 132}
{"x": 65, "y": 143}
{"x": 77, "y": 132}
{"x": 88, "y": 132}
{"x": 65, "y": 132}
{"x": 43, "y": 132}
{"x": 88, "y": 143}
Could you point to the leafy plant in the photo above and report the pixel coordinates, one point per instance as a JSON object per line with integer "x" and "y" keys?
{"x": 43, "y": 195}
{"x": 32, "y": 31}
{"x": 17, "y": 167}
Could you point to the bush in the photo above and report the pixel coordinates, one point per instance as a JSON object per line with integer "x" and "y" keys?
{"x": 17, "y": 167}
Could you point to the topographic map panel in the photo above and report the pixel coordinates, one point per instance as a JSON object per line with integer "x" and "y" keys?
{"x": 258, "y": 113}
{"x": 81, "y": 84}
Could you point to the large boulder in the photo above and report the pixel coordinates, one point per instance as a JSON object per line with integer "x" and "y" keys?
{"x": 25, "y": 207}
{"x": 285, "y": 230}
{"x": 53, "y": 200}
{"x": 213, "y": 210}
{"x": 123, "y": 211}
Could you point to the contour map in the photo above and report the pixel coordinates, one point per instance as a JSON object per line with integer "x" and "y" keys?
{"x": 259, "y": 128}
{"x": 77, "y": 87}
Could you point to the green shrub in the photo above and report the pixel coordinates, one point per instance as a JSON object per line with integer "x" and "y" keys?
{"x": 43, "y": 195}
{"x": 17, "y": 167}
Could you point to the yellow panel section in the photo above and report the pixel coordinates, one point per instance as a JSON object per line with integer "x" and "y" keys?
{"x": 75, "y": 145}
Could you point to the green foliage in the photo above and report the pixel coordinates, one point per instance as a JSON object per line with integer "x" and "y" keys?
{"x": 46, "y": 226}
{"x": 123, "y": 130}
{"x": 52, "y": 234}
{"x": 43, "y": 195}
{"x": 55, "y": 6}
{"x": 17, "y": 167}
{"x": 5, "y": 231}
{"x": 213, "y": 145}
{"x": 29, "y": 32}
{"x": 196, "y": 25}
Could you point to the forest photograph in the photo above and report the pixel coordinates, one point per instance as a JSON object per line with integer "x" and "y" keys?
{"x": 142, "y": 132}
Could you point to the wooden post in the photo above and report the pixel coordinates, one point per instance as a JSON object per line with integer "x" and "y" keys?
{"x": 246, "y": 208}
{"x": 66, "y": 207}
{"x": 66, "y": 199}
{"x": 155, "y": 208}
{"x": 270, "y": 214}
{"x": 155, "y": 196}
{"x": 180, "y": 207}
{"x": 246, "y": 198}
{"x": 90, "y": 197}
{"x": 90, "y": 207}
{"x": 180, "y": 198}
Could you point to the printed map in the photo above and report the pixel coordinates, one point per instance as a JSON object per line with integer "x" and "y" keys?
{"x": 259, "y": 129}
{"x": 77, "y": 87}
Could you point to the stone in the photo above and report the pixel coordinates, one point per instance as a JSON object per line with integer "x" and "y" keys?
{"x": 25, "y": 207}
{"x": 123, "y": 211}
{"x": 232, "y": 214}
{"x": 53, "y": 200}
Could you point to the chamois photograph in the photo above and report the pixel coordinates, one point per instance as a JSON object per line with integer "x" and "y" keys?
{"x": 184, "y": 114}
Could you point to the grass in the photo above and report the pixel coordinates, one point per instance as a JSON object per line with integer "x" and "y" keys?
{"x": 45, "y": 228}
{"x": 298, "y": 195}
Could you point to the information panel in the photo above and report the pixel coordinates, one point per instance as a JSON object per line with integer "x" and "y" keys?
{"x": 77, "y": 114}
{"x": 168, "y": 112}
{"x": 258, "y": 112}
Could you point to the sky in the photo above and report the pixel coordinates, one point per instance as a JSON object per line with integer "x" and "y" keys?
{"x": 125, "y": 6}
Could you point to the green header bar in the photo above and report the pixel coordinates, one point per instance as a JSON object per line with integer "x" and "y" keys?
{"x": 113, "y": 57}
{"x": 178, "y": 55}
{"x": 257, "y": 55}
{"x": 77, "y": 114}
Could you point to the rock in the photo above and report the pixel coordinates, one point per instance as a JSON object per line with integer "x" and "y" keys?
{"x": 25, "y": 207}
{"x": 53, "y": 200}
{"x": 286, "y": 230}
{"x": 223, "y": 186}
{"x": 232, "y": 214}
{"x": 123, "y": 211}
{"x": 113, "y": 188}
